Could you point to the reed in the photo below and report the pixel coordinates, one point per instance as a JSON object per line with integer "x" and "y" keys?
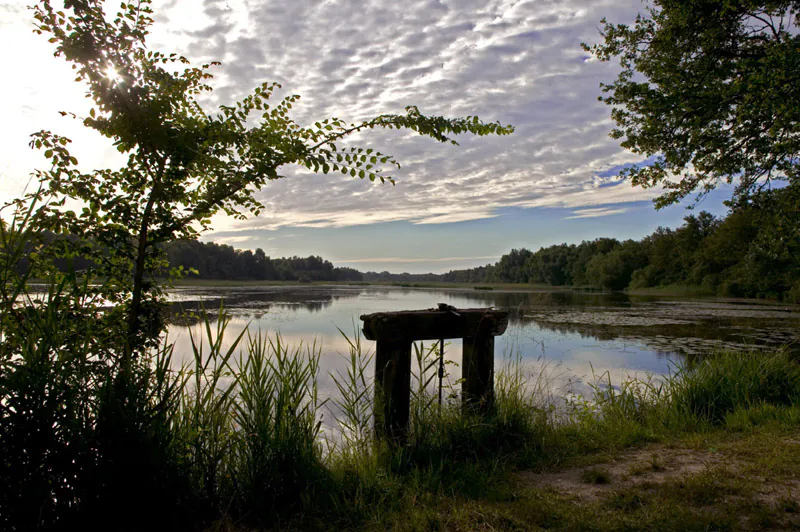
{"x": 233, "y": 436}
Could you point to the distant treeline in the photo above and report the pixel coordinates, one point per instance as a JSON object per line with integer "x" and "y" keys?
{"x": 220, "y": 261}
{"x": 753, "y": 252}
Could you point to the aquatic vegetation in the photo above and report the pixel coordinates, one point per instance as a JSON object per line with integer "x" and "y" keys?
{"x": 234, "y": 436}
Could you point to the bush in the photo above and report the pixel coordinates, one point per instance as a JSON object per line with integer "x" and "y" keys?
{"x": 81, "y": 441}
{"x": 724, "y": 382}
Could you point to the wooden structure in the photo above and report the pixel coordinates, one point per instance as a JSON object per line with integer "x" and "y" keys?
{"x": 394, "y": 333}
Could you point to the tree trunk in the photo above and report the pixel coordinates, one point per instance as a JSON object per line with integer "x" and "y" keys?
{"x": 135, "y": 310}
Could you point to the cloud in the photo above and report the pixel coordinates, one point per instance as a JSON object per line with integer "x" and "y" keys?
{"x": 455, "y": 217}
{"x": 594, "y": 213}
{"x": 518, "y": 62}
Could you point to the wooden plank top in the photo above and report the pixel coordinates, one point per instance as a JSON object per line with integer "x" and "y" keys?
{"x": 433, "y": 324}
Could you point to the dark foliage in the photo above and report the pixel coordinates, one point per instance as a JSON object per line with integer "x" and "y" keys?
{"x": 710, "y": 88}
{"x": 220, "y": 261}
{"x": 753, "y": 252}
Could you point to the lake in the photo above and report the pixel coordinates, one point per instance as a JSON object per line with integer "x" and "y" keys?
{"x": 571, "y": 337}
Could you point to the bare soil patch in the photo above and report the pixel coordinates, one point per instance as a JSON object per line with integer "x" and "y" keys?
{"x": 652, "y": 465}
{"x": 657, "y": 464}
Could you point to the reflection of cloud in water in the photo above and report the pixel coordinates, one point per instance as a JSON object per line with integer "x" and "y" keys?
{"x": 565, "y": 339}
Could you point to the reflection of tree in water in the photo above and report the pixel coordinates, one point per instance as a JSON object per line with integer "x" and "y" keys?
{"x": 664, "y": 325}
{"x": 518, "y": 303}
{"x": 253, "y": 303}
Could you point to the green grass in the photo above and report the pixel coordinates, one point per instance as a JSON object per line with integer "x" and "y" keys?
{"x": 457, "y": 472}
{"x": 750, "y": 485}
{"x": 236, "y": 439}
{"x": 596, "y": 475}
{"x": 233, "y": 440}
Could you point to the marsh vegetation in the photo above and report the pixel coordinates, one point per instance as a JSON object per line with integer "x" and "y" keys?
{"x": 109, "y": 420}
{"x": 234, "y": 437}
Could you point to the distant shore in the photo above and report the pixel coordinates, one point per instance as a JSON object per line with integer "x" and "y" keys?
{"x": 672, "y": 291}
{"x": 471, "y": 286}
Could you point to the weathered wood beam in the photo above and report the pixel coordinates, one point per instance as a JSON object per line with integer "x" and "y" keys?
{"x": 477, "y": 363}
{"x": 433, "y": 324}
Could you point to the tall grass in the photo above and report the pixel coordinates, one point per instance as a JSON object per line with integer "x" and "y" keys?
{"x": 234, "y": 434}
{"x": 76, "y": 439}
{"x": 278, "y": 459}
{"x": 353, "y": 407}
{"x": 723, "y": 382}
{"x": 703, "y": 392}
{"x": 699, "y": 396}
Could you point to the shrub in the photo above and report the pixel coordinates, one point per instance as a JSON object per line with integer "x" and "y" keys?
{"x": 724, "y": 382}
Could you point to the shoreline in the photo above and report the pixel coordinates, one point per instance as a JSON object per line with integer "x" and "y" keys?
{"x": 677, "y": 292}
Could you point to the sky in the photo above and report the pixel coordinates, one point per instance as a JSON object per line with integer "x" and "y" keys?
{"x": 556, "y": 179}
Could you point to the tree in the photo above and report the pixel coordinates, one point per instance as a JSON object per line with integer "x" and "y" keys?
{"x": 551, "y": 265}
{"x": 584, "y": 253}
{"x": 613, "y": 270}
{"x": 183, "y": 164}
{"x": 511, "y": 267}
{"x": 712, "y": 88}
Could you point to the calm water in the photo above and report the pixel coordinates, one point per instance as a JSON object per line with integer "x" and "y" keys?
{"x": 574, "y": 336}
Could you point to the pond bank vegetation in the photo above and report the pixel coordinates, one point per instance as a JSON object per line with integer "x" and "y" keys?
{"x": 234, "y": 440}
{"x": 103, "y": 428}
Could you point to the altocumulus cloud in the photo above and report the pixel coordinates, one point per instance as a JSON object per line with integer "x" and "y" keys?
{"x": 518, "y": 62}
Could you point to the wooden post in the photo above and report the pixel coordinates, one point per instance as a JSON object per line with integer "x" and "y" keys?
{"x": 477, "y": 388}
{"x": 392, "y": 389}
{"x": 395, "y": 331}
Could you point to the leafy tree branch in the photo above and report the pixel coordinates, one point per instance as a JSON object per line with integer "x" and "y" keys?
{"x": 184, "y": 165}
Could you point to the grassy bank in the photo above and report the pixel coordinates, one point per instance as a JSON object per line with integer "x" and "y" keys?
{"x": 715, "y": 447}
{"x": 683, "y": 291}
{"x": 234, "y": 441}
{"x": 727, "y": 478}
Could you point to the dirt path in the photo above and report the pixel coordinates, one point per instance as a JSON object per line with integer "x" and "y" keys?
{"x": 643, "y": 467}
{"x": 737, "y": 482}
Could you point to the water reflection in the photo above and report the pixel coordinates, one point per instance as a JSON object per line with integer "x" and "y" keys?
{"x": 257, "y": 300}
{"x": 570, "y": 337}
